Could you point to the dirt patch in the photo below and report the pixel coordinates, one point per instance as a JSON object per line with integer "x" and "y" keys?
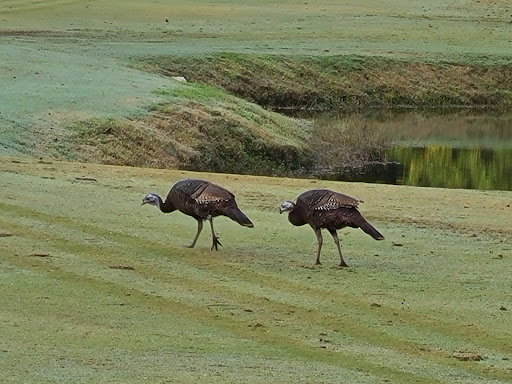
{"x": 467, "y": 356}
{"x": 16, "y": 32}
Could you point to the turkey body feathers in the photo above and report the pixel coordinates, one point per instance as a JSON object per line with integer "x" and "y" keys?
{"x": 324, "y": 200}
{"x": 203, "y": 201}
{"x": 325, "y": 209}
{"x": 322, "y": 208}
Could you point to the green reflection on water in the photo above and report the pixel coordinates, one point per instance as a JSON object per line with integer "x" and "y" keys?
{"x": 448, "y": 167}
{"x": 462, "y": 149}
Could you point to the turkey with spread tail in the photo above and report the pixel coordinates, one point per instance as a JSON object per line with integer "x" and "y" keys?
{"x": 203, "y": 201}
{"x": 322, "y": 208}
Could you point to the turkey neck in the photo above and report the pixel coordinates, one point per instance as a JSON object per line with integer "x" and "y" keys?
{"x": 295, "y": 217}
{"x": 166, "y": 206}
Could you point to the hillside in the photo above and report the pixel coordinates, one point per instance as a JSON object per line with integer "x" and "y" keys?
{"x": 91, "y": 81}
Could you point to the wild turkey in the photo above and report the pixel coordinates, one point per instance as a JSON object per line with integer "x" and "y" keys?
{"x": 322, "y": 208}
{"x": 203, "y": 201}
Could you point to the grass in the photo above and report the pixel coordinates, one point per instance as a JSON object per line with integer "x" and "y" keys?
{"x": 96, "y": 289}
{"x": 99, "y": 289}
{"x": 395, "y": 27}
{"x": 73, "y": 62}
{"x": 225, "y": 134}
{"x": 345, "y": 82}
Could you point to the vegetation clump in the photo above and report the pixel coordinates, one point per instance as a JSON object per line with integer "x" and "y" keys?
{"x": 347, "y": 147}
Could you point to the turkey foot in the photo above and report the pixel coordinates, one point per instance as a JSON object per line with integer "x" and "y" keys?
{"x": 215, "y": 243}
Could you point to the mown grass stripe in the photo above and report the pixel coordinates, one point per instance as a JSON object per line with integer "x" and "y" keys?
{"x": 186, "y": 283}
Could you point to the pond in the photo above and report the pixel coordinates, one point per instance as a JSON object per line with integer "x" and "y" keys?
{"x": 466, "y": 149}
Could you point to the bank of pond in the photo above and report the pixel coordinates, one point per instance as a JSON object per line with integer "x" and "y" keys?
{"x": 467, "y": 149}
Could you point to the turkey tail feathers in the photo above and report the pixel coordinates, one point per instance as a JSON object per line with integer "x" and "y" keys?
{"x": 237, "y": 215}
{"x": 369, "y": 229}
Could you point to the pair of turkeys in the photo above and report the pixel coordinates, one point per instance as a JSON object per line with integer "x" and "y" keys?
{"x": 320, "y": 208}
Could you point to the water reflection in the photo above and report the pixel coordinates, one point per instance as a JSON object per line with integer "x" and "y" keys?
{"x": 458, "y": 150}
{"x": 448, "y": 167}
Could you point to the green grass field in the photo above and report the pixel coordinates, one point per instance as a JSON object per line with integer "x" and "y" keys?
{"x": 99, "y": 289}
